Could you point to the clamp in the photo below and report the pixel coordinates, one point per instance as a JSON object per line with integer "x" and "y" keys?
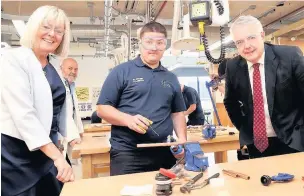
{"x": 175, "y": 150}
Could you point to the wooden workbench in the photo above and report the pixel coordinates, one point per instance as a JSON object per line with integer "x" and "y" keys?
{"x": 94, "y": 149}
{"x": 97, "y": 127}
{"x": 255, "y": 168}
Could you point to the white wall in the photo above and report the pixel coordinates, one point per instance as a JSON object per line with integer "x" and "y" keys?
{"x": 92, "y": 71}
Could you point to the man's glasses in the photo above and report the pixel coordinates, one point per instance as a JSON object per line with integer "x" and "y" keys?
{"x": 150, "y": 43}
{"x": 250, "y": 40}
{"x": 48, "y": 28}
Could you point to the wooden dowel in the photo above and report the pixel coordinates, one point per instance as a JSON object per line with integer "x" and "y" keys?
{"x": 236, "y": 174}
{"x": 166, "y": 144}
{"x": 230, "y": 174}
{"x": 159, "y": 144}
{"x": 244, "y": 176}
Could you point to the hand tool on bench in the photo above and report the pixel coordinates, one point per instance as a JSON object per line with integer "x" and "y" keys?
{"x": 188, "y": 186}
{"x": 206, "y": 182}
{"x": 281, "y": 177}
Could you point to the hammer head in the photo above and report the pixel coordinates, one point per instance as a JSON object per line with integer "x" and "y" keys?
{"x": 185, "y": 189}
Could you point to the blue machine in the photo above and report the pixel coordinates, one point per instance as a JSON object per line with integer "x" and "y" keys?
{"x": 194, "y": 158}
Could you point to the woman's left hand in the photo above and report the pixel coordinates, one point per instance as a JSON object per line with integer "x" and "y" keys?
{"x": 75, "y": 141}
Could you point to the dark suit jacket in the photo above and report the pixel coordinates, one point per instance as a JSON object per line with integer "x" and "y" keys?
{"x": 284, "y": 75}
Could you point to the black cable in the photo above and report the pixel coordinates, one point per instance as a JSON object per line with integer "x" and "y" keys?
{"x": 207, "y": 52}
{"x": 203, "y": 38}
{"x": 220, "y": 7}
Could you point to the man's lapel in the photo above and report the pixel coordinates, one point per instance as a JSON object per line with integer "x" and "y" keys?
{"x": 271, "y": 65}
{"x": 244, "y": 81}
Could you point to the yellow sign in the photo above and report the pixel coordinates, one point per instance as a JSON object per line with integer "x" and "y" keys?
{"x": 82, "y": 93}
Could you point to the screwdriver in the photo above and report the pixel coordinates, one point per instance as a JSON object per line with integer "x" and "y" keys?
{"x": 150, "y": 123}
{"x": 154, "y": 130}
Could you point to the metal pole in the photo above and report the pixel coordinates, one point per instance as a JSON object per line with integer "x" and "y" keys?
{"x": 129, "y": 37}
{"x": 198, "y": 87}
{"x": 148, "y": 11}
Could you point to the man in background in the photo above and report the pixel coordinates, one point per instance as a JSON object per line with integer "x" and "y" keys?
{"x": 193, "y": 104}
{"x": 69, "y": 68}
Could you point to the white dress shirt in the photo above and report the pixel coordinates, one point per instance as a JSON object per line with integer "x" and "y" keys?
{"x": 269, "y": 128}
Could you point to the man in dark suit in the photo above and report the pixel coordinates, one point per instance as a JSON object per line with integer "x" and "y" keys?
{"x": 265, "y": 92}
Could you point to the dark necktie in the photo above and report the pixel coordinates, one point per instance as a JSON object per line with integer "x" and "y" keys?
{"x": 259, "y": 125}
{"x": 68, "y": 84}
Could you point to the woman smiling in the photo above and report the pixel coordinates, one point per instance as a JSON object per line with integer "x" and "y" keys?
{"x": 33, "y": 110}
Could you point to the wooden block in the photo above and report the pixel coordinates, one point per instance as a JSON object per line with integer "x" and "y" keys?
{"x": 97, "y": 127}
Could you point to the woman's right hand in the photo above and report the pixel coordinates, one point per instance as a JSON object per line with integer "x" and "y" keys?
{"x": 65, "y": 171}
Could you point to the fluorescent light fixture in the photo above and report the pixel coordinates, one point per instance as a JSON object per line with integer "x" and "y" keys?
{"x": 20, "y": 26}
{"x": 218, "y": 43}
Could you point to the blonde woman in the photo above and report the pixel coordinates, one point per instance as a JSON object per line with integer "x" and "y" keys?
{"x": 33, "y": 110}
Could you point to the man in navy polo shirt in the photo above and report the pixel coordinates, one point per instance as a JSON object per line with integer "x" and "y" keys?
{"x": 193, "y": 103}
{"x": 136, "y": 92}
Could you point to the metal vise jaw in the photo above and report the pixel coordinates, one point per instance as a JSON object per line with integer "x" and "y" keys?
{"x": 194, "y": 158}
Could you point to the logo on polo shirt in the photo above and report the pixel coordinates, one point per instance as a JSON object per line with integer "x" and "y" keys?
{"x": 165, "y": 83}
{"x": 138, "y": 80}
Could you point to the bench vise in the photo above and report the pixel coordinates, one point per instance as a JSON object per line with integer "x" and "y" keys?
{"x": 209, "y": 132}
{"x": 194, "y": 158}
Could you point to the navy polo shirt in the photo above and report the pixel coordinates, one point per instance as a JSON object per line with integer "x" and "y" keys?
{"x": 191, "y": 97}
{"x": 135, "y": 88}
